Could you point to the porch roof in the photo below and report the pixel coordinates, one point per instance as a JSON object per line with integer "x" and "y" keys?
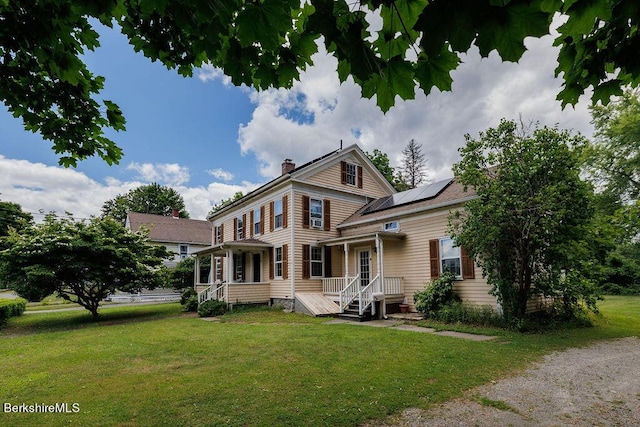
{"x": 371, "y": 235}
{"x": 236, "y": 245}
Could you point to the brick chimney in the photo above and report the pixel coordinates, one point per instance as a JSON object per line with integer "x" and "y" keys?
{"x": 287, "y": 166}
{"x": 176, "y": 213}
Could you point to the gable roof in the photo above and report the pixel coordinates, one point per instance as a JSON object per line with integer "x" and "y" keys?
{"x": 300, "y": 170}
{"x": 434, "y": 196}
{"x": 170, "y": 229}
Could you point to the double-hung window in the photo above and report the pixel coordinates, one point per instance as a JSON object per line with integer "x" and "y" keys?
{"x": 256, "y": 221}
{"x": 317, "y": 267}
{"x": 218, "y": 234}
{"x": 218, "y": 276}
{"x": 239, "y": 229}
{"x": 278, "y": 261}
{"x": 184, "y": 251}
{"x": 351, "y": 174}
{"x": 391, "y": 226}
{"x": 450, "y": 257}
{"x": 277, "y": 214}
{"x": 315, "y": 212}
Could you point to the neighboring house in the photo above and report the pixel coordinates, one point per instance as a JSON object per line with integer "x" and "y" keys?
{"x": 181, "y": 236}
{"x": 333, "y": 233}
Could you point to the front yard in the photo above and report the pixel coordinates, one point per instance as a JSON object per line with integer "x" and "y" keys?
{"x": 153, "y": 365}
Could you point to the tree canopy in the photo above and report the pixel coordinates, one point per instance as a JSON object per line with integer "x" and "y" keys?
{"x": 614, "y": 156}
{"x": 153, "y": 199}
{"x": 382, "y": 163}
{"x": 13, "y": 217}
{"x": 267, "y": 43}
{"x": 528, "y": 226}
{"x": 225, "y": 202}
{"x": 83, "y": 262}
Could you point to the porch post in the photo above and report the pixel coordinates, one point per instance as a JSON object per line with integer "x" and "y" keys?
{"x": 196, "y": 272}
{"x": 211, "y": 268}
{"x": 379, "y": 262}
{"x": 383, "y": 303}
{"x": 346, "y": 264}
{"x": 230, "y": 268}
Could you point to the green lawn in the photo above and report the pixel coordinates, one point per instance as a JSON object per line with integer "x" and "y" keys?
{"x": 154, "y": 365}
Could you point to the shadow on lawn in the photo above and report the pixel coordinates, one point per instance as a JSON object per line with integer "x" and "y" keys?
{"x": 35, "y": 323}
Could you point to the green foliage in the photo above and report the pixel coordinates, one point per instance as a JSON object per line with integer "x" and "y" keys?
{"x": 268, "y": 43}
{"x": 153, "y": 199}
{"x": 381, "y": 162}
{"x": 211, "y": 308}
{"x": 12, "y": 217}
{"x": 189, "y": 300}
{"x": 438, "y": 294}
{"x": 469, "y": 314}
{"x": 83, "y": 262}
{"x": 181, "y": 276}
{"x": 225, "y": 202}
{"x": 613, "y": 159}
{"x": 10, "y": 308}
{"x": 524, "y": 228}
{"x": 621, "y": 274}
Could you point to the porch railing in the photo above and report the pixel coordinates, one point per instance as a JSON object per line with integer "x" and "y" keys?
{"x": 350, "y": 292}
{"x": 333, "y": 285}
{"x": 393, "y": 286}
{"x": 366, "y": 294}
{"x": 216, "y": 291}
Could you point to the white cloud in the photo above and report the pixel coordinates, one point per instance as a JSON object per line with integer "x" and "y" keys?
{"x": 311, "y": 118}
{"x": 208, "y": 72}
{"x": 38, "y": 187}
{"x": 221, "y": 174}
{"x": 162, "y": 173}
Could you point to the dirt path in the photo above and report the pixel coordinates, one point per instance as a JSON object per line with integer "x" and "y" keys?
{"x": 592, "y": 386}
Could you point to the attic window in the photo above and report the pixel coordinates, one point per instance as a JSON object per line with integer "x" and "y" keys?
{"x": 391, "y": 226}
{"x": 351, "y": 174}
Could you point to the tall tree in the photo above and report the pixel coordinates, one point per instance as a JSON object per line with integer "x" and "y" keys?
{"x": 414, "y": 164}
{"x": 152, "y": 199}
{"x": 226, "y": 202}
{"x": 614, "y": 156}
{"x": 44, "y": 81}
{"x": 381, "y": 162}
{"x": 82, "y": 262}
{"x": 528, "y": 226}
{"x": 13, "y": 217}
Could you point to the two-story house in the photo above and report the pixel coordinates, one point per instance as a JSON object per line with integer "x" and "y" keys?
{"x": 333, "y": 233}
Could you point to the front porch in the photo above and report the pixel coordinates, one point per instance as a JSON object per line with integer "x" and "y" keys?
{"x": 236, "y": 274}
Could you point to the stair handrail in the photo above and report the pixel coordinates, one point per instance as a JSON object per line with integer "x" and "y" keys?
{"x": 365, "y": 295}
{"x": 349, "y": 293}
{"x": 210, "y": 293}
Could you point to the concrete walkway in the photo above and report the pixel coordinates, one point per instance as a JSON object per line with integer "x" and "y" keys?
{"x": 413, "y": 328}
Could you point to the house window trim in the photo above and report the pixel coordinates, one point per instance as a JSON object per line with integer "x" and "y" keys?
{"x": 351, "y": 170}
{"x": 276, "y": 215}
{"x": 442, "y": 259}
{"x": 311, "y": 217}
{"x": 239, "y": 228}
{"x": 185, "y": 254}
{"x": 218, "y": 234}
{"x": 280, "y": 262}
{"x": 391, "y": 228}
{"x": 256, "y": 222}
{"x": 312, "y": 261}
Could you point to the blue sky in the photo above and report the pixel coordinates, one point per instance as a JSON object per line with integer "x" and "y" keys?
{"x": 209, "y": 139}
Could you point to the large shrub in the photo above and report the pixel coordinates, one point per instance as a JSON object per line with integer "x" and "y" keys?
{"x": 189, "y": 300}
{"x": 10, "y": 308}
{"x": 438, "y": 294}
{"x": 212, "y": 308}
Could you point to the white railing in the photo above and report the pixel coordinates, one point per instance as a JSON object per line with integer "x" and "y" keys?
{"x": 333, "y": 285}
{"x": 212, "y": 292}
{"x": 393, "y": 285}
{"x": 365, "y": 297}
{"x": 349, "y": 293}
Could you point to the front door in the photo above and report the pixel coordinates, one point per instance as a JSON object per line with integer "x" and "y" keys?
{"x": 364, "y": 266}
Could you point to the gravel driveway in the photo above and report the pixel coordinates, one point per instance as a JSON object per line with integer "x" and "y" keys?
{"x": 592, "y": 386}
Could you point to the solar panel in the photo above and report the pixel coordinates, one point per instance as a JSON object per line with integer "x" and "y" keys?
{"x": 410, "y": 196}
